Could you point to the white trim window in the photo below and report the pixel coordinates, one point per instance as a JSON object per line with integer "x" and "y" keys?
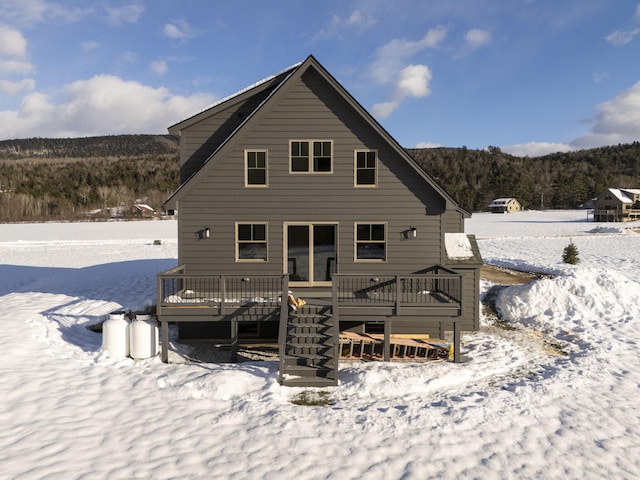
{"x": 371, "y": 243}
{"x": 366, "y": 168}
{"x": 311, "y": 156}
{"x": 255, "y": 172}
{"x": 251, "y": 242}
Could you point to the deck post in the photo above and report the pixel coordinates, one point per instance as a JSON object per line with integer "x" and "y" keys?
{"x": 386, "y": 347}
{"x": 234, "y": 340}
{"x": 164, "y": 326}
{"x": 456, "y": 341}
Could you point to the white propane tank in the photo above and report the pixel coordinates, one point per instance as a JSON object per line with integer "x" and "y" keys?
{"x": 115, "y": 335}
{"x": 143, "y": 337}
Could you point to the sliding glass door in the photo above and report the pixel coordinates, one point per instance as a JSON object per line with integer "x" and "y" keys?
{"x": 311, "y": 253}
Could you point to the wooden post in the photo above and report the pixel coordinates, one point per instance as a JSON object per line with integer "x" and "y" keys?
{"x": 165, "y": 341}
{"x": 386, "y": 347}
{"x": 234, "y": 340}
{"x": 456, "y": 341}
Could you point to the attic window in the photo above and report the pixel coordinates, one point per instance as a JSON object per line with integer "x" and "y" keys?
{"x": 255, "y": 168}
{"x": 311, "y": 156}
{"x": 366, "y": 168}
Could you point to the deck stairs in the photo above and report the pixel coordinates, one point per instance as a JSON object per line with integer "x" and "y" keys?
{"x": 310, "y": 348}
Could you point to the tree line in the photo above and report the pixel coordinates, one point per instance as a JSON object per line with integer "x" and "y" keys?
{"x": 68, "y": 179}
{"x": 559, "y": 180}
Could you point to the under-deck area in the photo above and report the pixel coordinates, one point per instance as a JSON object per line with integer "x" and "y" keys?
{"x": 365, "y": 317}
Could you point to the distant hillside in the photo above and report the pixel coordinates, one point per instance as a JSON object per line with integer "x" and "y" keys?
{"x": 89, "y": 147}
{"x": 86, "y": 178}
{"x": 63, "y": 179}
{"x": 560, "y": 180}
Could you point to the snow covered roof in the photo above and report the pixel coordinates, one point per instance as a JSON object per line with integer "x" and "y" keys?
{"x": 240, "y": 92}
{"x": 457, "y": 246}
{"x": 498, "y": 202}
{"x": 621, "y": 194}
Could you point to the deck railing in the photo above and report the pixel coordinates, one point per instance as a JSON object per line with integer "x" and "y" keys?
{"x": 176, "y": 288}
{"x": 436, "y": 286}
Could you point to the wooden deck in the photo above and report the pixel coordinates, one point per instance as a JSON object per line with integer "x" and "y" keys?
{"x": 430, "y": 298}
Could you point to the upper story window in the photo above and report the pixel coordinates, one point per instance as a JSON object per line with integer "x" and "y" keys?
{"x": 366, "y": 168}
{"x": 255, "y": 168}
{"x": 311, "y": 156}
{"x": 371, "y": 241}
{"x": 251, "y": 241}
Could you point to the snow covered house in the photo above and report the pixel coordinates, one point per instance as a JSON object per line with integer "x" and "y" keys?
{"x": 617, "y": 205}
{"x": 505, "y": 205}
{"x": 291, "y": 192}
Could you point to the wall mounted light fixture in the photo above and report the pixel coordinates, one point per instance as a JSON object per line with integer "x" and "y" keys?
{"x": 413, "y": 232}
{"x": 203, "y": 233}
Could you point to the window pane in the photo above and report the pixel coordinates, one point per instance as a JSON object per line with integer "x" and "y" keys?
{"x": 261, "y": 159}
{"x": 371, "y": 251}
{"x": 244, "y": 231}
{"x": 377, "y": 231}
{"x": 300, "y": 164}
{"x": 366, "y": 177}
{"x": 259, "y": 231}
{"x": 322, "y": 164}
{"x": 252, "y": 251}
{"x": 256, "y": 177}
{"x": 364, "y": 232}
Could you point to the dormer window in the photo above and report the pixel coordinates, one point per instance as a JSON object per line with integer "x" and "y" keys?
{"x": 311, "y": 156}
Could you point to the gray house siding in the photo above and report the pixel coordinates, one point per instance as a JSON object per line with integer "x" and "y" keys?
{"x": 311, "y": 110}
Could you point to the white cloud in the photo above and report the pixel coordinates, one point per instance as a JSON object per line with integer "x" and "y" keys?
{"x": 535, "y": 149}
{"x": 409, "y": 81}
{"x": 29, "y": 12}
{"x": 477, "y": 38}
{"x": 126, "y": 14}
{"x": 101, "y": 105}
{"x": 616, "y": 121}
{"x": 355, "y": 21}
{"x": 179, "y": 30}
{"x": 391, "y": 56}
{"x": 384, "y": 109}
{"x": 13, "y": 88}
{"x": 427, "y": 145}
{"x": 159, "y": 67}
{"x": 89, "y": 45}
{"x": 623, "y": 36}
{"x": 412, "y": 82}
{"x": 12, "y": 42}
{"x": 21, "y": 67}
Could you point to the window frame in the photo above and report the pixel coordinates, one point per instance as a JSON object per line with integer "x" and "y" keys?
{"x": 356, "y": 169}
{"x": 357, "y": 241}
{"x": 238, "y": 241}
{"x": 312, "y": 159}
{"x": 247, "y": 168}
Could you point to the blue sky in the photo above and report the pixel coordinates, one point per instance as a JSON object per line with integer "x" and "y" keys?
{"x": 528, "y": 76}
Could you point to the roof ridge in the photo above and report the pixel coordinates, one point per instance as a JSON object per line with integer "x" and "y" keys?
{"x": 243, "y": 90}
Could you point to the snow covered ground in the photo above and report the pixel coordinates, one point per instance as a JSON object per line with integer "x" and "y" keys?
{"x": 552, "y": 392}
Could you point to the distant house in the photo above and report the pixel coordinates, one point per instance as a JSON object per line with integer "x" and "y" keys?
{"x": 617, "y": 205}
{"x": 291, "y": 184}
{"x": 505, "y": 205}
{"x": 142, "y": 210}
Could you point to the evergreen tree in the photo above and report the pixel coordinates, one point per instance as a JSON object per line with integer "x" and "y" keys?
{"x": 570, "y": 254}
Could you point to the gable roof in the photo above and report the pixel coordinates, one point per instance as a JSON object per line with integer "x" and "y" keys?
{"x": 499, "y": 202}
{"x": 280, "y": 84}
{"x": 624, "y": 195}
